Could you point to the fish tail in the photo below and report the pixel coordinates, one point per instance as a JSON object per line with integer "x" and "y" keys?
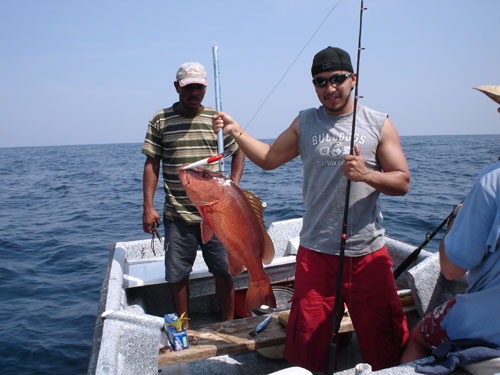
{"x": 259, "y": 293}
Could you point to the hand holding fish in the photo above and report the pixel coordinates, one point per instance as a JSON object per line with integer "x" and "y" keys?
{"x": 354, "y": 166}
{"x": 222, "y": 120}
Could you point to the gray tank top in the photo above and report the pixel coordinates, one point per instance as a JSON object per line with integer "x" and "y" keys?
{"x": 324, "y": 140}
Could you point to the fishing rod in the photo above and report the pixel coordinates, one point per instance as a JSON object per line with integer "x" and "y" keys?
{"x": 331, "y": 359}
{"x": 405, "y": 263}
{"x": 218, "y": 106}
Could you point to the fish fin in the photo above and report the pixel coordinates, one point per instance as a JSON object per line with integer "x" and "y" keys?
{"x": 206, "y": 232}
{"x": 235, "y": 266}
{"x": 259, "y": 293}
{"x": 268, "y": 251}
{"x": 256, "y": 203}
{"x": 258, "y": 207}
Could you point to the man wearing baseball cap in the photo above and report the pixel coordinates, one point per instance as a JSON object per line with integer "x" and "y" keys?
{"x": 471, "y": 243}
{"x": 321, "y": 137}
{"x": 178, "y": 135}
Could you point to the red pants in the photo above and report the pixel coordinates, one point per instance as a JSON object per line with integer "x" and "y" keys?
{"x": 368, "y": 290}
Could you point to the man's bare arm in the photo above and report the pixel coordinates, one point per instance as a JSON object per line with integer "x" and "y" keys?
{"x": 266, "y": 156}
{"x": 149, "y": 184}
{"x": 449, "y": 270}
{"x": 237, "y": 166}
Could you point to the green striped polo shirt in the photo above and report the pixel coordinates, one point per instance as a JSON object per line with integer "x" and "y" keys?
{"x": 177, "y": 140}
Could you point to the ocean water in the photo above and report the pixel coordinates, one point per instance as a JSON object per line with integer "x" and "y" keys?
{"x": 62, "y": 209}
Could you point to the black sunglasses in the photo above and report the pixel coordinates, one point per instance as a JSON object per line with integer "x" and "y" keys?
{"x": 336, "y": 79}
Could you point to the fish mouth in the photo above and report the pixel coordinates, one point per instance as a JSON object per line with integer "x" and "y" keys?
{"x": 183, "y": 175}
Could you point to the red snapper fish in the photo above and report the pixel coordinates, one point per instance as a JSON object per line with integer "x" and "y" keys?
{"x": 235, "y": 216}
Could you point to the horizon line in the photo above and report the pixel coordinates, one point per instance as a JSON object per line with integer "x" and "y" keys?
{"x": 260, "y": 139}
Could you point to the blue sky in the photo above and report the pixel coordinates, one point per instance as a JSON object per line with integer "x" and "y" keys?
{"x": 87, "y": 72}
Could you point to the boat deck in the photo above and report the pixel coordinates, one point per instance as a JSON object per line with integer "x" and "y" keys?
{"x": 232, "y": 337}
{"x": 134, "y": 298}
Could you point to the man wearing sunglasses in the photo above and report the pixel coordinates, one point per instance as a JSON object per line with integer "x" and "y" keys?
{"x": 321, "y": 137}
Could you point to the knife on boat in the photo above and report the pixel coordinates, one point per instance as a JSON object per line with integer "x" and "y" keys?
{"x": 261, "y": 326}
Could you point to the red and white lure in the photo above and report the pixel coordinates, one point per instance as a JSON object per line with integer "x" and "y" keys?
{"x": 211, "y": 159}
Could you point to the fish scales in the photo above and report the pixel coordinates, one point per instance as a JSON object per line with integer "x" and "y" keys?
{"x": 235, "y": 216}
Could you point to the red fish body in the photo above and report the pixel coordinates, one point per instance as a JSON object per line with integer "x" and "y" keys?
{"x": 235, "y": 216}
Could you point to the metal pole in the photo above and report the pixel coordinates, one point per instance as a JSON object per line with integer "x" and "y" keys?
{"x": 218, "y": 105}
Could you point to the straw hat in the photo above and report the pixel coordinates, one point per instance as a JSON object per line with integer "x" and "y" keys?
{"x": 492, "y": 91}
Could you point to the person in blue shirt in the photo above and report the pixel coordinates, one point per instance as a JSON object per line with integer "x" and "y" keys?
{"x": 471, "y": 245}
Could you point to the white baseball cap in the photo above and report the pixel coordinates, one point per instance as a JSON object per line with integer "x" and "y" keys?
{"x": 191, "y": 72}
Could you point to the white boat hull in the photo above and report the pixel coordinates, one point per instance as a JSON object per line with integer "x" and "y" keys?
{"x": 134, "y": 297}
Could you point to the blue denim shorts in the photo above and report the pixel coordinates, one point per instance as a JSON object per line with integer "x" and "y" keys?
{"x": 181, "y": 244}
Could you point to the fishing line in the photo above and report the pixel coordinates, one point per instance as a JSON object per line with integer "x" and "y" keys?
{"x": 216, "y": 73}
{"x": 292, "y": 64}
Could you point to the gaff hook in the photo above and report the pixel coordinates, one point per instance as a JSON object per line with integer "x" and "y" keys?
{"x": 154, "y": 230}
